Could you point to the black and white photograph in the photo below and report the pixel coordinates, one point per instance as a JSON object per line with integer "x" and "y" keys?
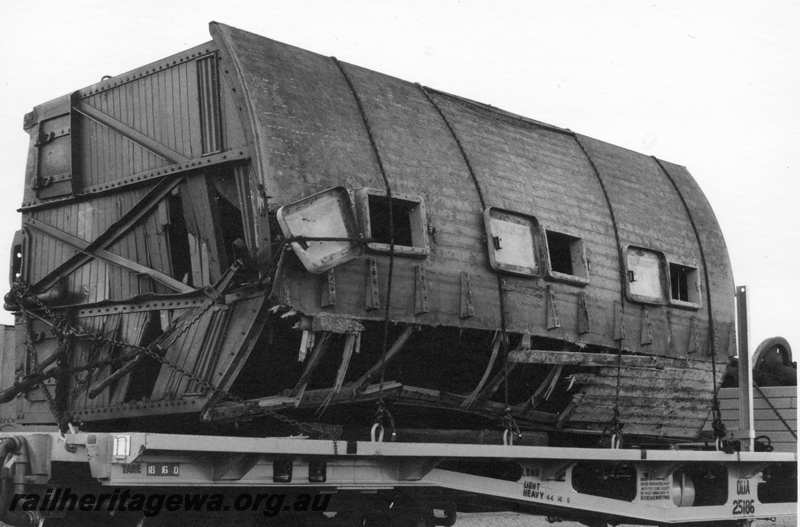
{"x": 395, "y": 263}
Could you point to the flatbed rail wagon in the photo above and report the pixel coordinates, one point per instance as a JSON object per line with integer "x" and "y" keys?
{"x": 254, "y": 281}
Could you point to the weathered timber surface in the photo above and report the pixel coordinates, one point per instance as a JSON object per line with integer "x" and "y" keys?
{"x": 577, "y": 358}
{"x": 766, "y": 419}
{"x": 311, "y": 137}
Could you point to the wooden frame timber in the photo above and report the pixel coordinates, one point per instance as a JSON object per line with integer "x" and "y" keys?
{"x": 178, "y": 169}
{"x": 83, "y": 246}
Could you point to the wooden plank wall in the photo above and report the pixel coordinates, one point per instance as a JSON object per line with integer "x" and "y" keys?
{"x": 148, "y": 118}
{"x": 160, "y": 102}
{"x": 197, "y": 351}
{"x": 783, "y": 398}
{"x": 665, "y": 402}
{"x": 97, "y": 280}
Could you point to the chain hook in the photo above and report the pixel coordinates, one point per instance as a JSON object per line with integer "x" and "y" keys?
{"x": 383, "y": 417}
{"x": 511, "y": 429}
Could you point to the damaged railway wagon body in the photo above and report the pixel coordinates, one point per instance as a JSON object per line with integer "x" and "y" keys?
{"x": 249, "y": 233}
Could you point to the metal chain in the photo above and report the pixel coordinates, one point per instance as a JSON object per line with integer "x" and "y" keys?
{"x": 79, "y": 383}
{"x": 61, "y": 327}
{"x": 30, "y": 351}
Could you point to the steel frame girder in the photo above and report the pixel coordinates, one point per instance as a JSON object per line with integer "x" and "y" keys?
{"x": 214, "y": 461}
{"x": 100, "y": 253}
{"x": 141, "y": 178}
{"x": 112, "y": 234}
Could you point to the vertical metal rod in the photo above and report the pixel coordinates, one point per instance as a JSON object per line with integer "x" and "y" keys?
{"x": 746, "y": 425}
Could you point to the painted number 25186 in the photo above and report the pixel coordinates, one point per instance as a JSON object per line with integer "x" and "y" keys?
{"x": 744, "y": 507}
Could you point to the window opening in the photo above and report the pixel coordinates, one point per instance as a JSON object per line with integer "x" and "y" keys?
{"x": 566, "y": 254}
{"x": 408, "y": 217}
{"x": 231, "y": 225}
{"x": 683, "y": 283}
{"x": 178, "y": 237}
{"x": 401, "y": 217}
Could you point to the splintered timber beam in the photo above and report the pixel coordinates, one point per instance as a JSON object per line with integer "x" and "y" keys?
{"x": 393, "y": 351}
{"x": 501, "y": 376}
{"x": 567, "y": 412}
{"x": 577, "y": 358}
{"x": 352, "y": 344}
{"x": 497, "y": 381}
{"x": 413, "y": 396}
{"x": 472, "y": 397}
{"x": 320, "y": 349}
{"x": 545, "y": 390}
{"x": 306, "y": 399}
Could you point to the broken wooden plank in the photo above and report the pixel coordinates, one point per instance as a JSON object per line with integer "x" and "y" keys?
{"x": 390, "y": 390}
{"x": 554, "y": 378}
{"x": 496, "y": 345}
{"x": 112, "y": 234}
{"x": 539, "y": 394}
{"x": 351, "y": 344}
{"x": 567, "y": 412}
{"x": 486, "y": 408}
{"x": 204, "y": 223}
{"x": 321, "y": 347}
{"x": 501, "y": 376}
{"x": 578, "y": 358}
{"x": 391, "y": 353}
{"x": 497, "y": 380}
{"x": 306, "y": 343}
